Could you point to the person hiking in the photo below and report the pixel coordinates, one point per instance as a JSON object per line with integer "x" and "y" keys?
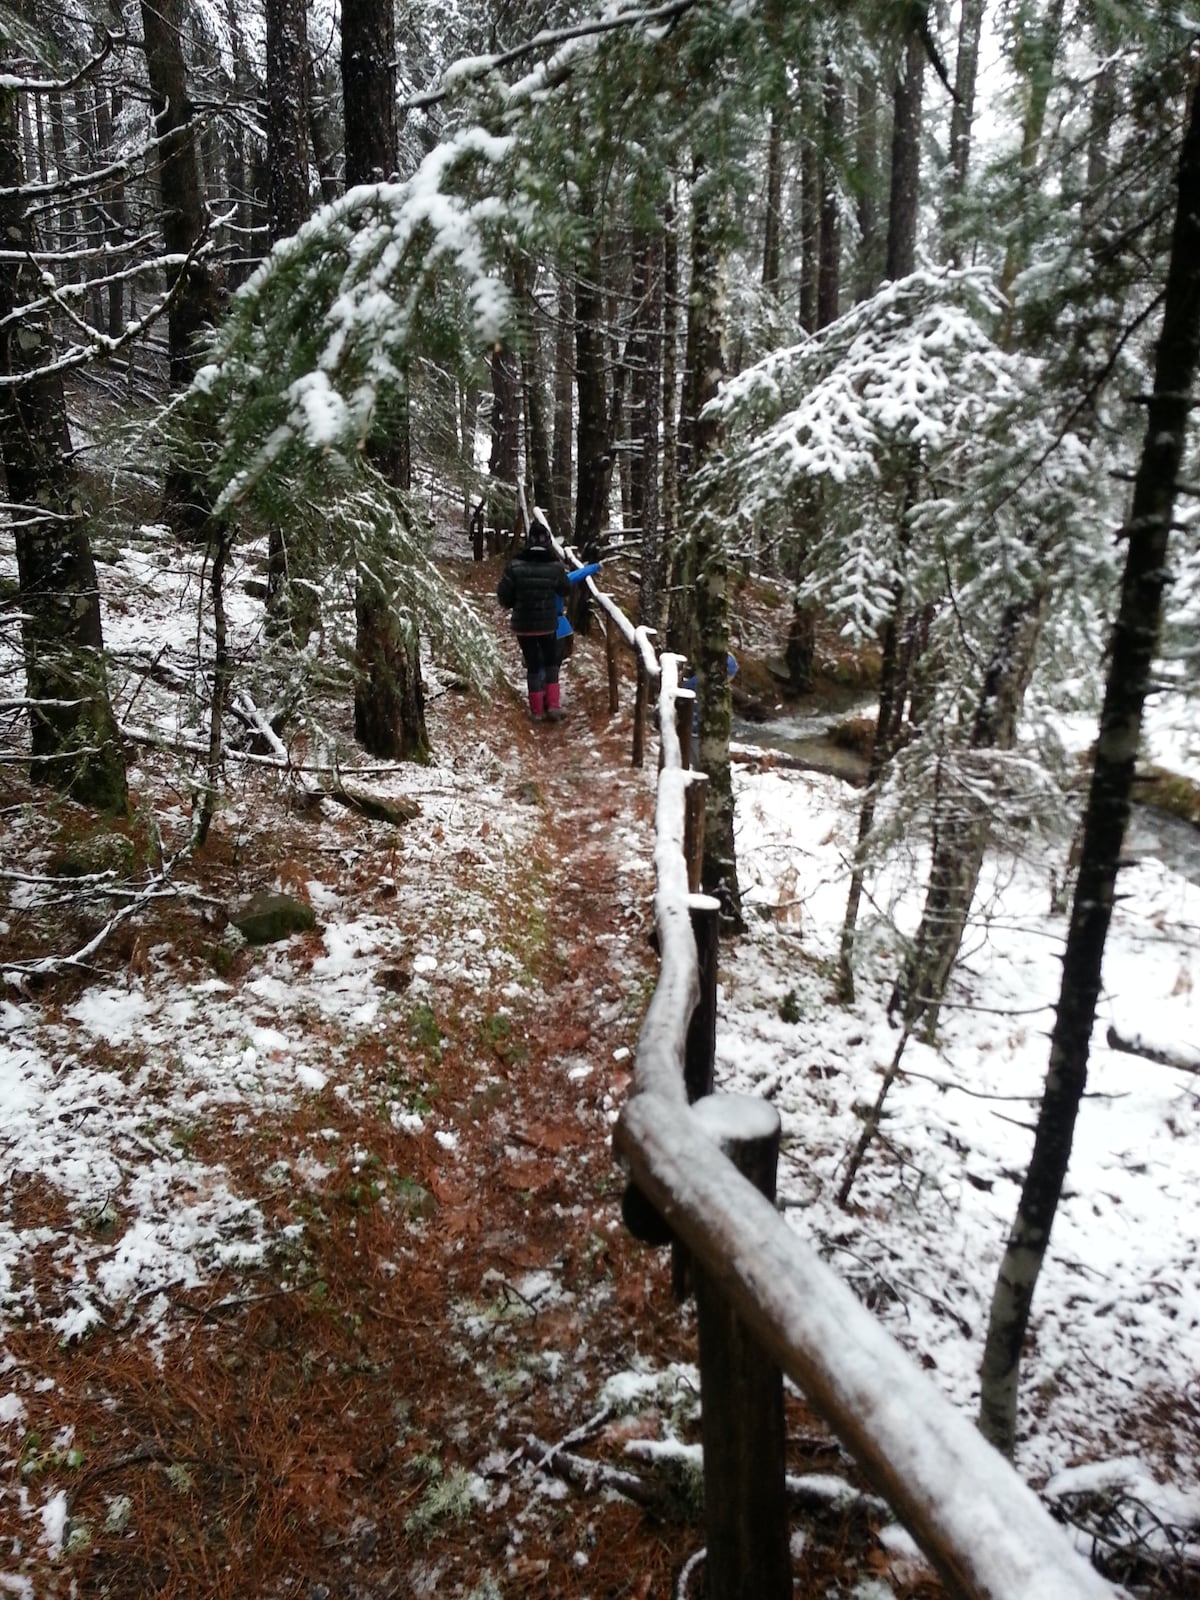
{"x": 531, "y": 585}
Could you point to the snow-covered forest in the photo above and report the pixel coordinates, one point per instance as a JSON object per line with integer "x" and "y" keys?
{"x": 855, "y": 342}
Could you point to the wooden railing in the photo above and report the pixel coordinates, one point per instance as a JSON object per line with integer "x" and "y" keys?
{"x": 702, "y": 1171}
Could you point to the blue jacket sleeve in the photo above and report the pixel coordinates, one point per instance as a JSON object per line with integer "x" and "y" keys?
{"x": 578, "y": 574}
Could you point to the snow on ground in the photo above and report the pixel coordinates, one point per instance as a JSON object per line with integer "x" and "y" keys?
{"x": 83, "y": 1126}
{"x": 1112, "y": 1372}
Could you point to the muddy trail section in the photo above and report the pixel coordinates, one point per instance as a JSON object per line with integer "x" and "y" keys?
{"x": 451, "y": 1372}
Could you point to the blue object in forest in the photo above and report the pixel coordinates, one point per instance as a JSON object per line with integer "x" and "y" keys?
{"x": 576, "y": 575}
{"x": 690, "y": 683}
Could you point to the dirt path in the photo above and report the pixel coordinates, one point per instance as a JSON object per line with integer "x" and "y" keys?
{"x": 451, "y": 1289}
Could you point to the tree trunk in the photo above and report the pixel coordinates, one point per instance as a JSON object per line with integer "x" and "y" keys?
{"x": 901, "y": 259}
{"x": 670, "y": 413}
{"x": 389, "y": 699}
{"x": 706, "y": 301}
{"x": 468, "y": 418}
{"x": 369, "y": 90}
{"x": 537, "y": 463}
{"x": 90, "y": 215}
{"x": 1130, "y": 666}
{"x": 504, "y": 460}
{"x": 616, "y": 284}
{"x": 773, "y": 218}
{"x": 801, "y": 648}
{"x": 186, "y": 500}
{"x": 73, "y": 735}
{"x": 962, "y": 114}
{"x": 288, "y": 206}
{"x": 810, "y": 231}
{"x": 650, "y": 392}
{"x": 881, "y": 754}
{"x": 222, "y": 677}
{"x": 962, "y": 821}
{"x": 1034, "y": 64}
{"x": 321, "y": 134}
{"x": 183, "y": 220}
{"x": 65, "y": 207}
{"x": 389, "y": 702}
{"x": 906, "y": 161}
{"x": 564, "y": 389}
{"x": 287, "y": 115}
{"x": 594, "y": 464}
{"x": 869, "y": 263}
{"x": 640, "y": 277}
{"x": 114, "y": 209}
{"x": 829, "y": 260}
{"x": 235, "y": 237}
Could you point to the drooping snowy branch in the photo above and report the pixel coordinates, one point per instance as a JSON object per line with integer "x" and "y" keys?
{"x": 333, "y": 314}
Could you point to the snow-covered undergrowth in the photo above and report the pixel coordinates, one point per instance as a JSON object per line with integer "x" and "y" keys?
{"x": 124, "y": 1075}
{"x": 1111, "y": 1371}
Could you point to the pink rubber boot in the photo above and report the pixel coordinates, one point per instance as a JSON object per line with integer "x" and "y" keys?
{"x": 537, "y": 705}
{"x": 553, "y": 708}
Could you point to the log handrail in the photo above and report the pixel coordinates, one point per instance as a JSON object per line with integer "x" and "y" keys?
{"x": 984, "y": 1530}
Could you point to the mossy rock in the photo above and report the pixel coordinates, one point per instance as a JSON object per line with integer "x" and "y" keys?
{"x": 268, "y": 918}
{"x": 856, "y": 734}
{"x": 850, "y": 669}
{"x": 94, "y": 854}
{"x": 1167, "y": 791}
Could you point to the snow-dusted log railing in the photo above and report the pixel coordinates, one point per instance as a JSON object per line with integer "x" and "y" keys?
{"x": 983, "y": 1529}
{"x": 640, "y": 640}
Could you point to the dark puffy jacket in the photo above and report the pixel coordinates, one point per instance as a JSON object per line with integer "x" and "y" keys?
{"x": 529, "y": 584}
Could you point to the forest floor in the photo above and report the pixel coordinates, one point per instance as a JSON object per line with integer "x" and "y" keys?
{"x": 440, "y": 1289}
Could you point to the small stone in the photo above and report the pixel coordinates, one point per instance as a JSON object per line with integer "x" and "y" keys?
{"x": 267, "y": 918}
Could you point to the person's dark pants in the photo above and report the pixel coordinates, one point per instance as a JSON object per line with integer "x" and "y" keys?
{"x": 541, "y": 659}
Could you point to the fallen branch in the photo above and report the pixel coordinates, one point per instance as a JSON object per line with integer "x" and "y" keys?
{"x": 592, "y": 1476}
{"x": 368, "y": 805}
{"x": 1135, "y": 1045}
{"x": 16, "y": 972}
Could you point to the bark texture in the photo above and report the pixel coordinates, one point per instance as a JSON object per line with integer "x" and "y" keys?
{"x": 830, "y": 256}
{"x": 564, "y": 389}
{"x": 183, "y": 218}
{"x": 906, "y": 161}
{"x": 537, "y": 465}
{"x": 389, "y": 699}
{"x": 369, "y": 90}
{"x": 287, "y": 115}
{"x": 73, "y": 735}
{"x": 593, "y": 463}
{"x": 962, "y": 113}
{"x": 706, "y": 339}
{"x": 962, "y": 817}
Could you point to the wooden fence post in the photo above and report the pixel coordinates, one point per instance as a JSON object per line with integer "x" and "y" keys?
{"x": 684, "y": 710}
{"x": 741, "y": 1397}
{"x": 639, "y": 709}
{"x": 610, "y": 651}
{"x": 693, "y": 830}
{"x": 700, "y": 1048}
